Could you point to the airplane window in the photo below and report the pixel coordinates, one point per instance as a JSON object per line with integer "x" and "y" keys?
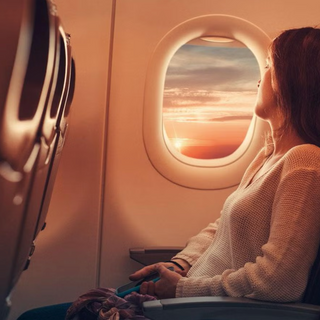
{"x": 199, "y": 95}
{"x": 209, "y": 94}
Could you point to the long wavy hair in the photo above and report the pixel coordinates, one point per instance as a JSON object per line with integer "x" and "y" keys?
{"x": 295, "y": 55}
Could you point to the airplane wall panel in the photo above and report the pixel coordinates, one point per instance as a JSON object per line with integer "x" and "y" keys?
{"x": 142, "y": 208}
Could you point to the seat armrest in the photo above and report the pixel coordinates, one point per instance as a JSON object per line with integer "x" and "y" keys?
{"x": 227, "y": 308}
{"x": 152, "y": 255}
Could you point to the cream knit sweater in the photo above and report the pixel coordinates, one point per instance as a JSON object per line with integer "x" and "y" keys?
{"x": 267, "y": 237}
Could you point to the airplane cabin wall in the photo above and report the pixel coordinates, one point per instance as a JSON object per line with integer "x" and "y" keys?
{"x": 103, "y": 206}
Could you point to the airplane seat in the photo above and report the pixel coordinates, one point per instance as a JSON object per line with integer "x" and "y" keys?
{"x": 227, "y": 308}
{"x": 61, "y": 127}
{"x": 29, "y": 64}
{"x": 208, "y": 308}
{"x": 49, "y": 138}
{"x": 312, "y": 293}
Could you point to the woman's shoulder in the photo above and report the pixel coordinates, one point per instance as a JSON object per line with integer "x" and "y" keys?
{"x": 303, "y": 156}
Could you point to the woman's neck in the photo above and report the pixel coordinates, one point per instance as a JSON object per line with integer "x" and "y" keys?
{"x": 285, "y": 142}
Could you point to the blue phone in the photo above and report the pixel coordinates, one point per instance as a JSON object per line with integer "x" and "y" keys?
{"x": 134, "y": 286}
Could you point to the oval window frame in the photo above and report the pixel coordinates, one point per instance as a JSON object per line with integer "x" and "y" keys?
{"x": 189, "y": 172}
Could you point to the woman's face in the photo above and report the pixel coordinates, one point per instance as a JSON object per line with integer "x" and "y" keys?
{"x": 266, "y": 105}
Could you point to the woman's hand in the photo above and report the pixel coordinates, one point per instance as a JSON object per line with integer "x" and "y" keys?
{"x": 142, "y": 273}
{"x": 165, "y": 287}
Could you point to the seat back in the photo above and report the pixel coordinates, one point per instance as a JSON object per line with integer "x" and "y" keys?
{"x": 312, "y": 293}
{"x": 49, "y": 138}
{"x": 63, "y": 99}
{"x": 23, "y": 88}
{"x": 35, "y": 65}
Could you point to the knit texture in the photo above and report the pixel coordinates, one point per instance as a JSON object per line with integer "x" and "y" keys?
{"x": 265, "y": 242}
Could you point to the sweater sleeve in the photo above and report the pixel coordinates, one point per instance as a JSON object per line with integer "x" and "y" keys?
{"x": 198, "y": 244}
{"x": 281, "y": 272}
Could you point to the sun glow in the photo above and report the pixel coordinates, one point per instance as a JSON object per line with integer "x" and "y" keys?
{"x": 178, "y": 144}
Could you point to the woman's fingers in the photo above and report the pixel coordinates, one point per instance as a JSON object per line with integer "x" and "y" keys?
{"x": 148, "y": 288}
{"x": 166, "y": 286}
{"x": 142, "y": 273}
{"x": 163, "y": 288}
{"x": 146, "y": 271}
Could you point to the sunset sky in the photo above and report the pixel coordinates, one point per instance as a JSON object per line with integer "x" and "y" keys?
{"x": 209, "y": 98}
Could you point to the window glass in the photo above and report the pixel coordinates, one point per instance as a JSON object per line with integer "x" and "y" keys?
{"x": 209, "y": 96}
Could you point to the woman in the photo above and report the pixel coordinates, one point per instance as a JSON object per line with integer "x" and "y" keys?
{"x": 266, "y": 240}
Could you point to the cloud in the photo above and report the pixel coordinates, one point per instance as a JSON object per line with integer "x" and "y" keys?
{"x": 206, "y": 114}
{"x": 212, "y": 68}
{"x": 182, "y": 97}
{"x": 225, "y": 78}
{"x": 177, "y": 97}
{"x": 232, "y": 118}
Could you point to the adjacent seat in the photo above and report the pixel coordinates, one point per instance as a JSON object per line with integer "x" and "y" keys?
{"x": 36, "y": 90}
